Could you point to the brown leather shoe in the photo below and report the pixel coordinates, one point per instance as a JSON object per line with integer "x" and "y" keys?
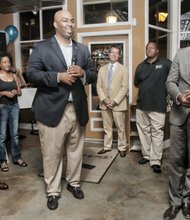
{"x": 122, "y": 153}
{"x": 3, "y": 185}
{"x": 103, "y": 151}
{"x": 171, "y": 212}
{"x": 186, "y": 211}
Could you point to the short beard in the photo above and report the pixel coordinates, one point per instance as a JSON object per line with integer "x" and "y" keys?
{"x": 66, "y": 36}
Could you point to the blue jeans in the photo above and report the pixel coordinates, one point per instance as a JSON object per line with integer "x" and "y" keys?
{"x": 9, "y": 116}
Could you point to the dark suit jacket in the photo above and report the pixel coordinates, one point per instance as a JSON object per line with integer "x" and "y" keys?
{"x": 51, "y": 97}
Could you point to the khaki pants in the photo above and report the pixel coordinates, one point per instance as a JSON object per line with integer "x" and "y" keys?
{"x": 150, "y": 128}
{"x": 66, "y": 138}
{"x": 109, "y": 117}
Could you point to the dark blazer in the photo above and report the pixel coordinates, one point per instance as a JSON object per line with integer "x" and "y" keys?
{"x": 51, "y": 97}
{"x": 178, "y": 81}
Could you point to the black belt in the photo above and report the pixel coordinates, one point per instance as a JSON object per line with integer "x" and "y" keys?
{"x": 69, "y": 101}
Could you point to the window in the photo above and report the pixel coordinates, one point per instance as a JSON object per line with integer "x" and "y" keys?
{"x": 34, "y": 26}
{"x": 185, "y": 24}
{"x": 161, "y": 38}
{"x": 29, "y": 26}
{"x": 97, "y": 12}
{"x": 158, "y": 13}
{"x": 48, "y": 29}
{"x": 159, "y": 24}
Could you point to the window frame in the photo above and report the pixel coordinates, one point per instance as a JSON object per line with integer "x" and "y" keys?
{"x": 80, "y": 22}
{"x": 18, "y": 42}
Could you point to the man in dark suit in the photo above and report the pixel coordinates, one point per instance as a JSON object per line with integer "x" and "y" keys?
{"x": 178, "y": 85}
{"x": 59, "y": 67}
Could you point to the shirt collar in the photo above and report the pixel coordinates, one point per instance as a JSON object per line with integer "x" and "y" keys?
{"x": 112, "y": 64}
{"x": 62, "y": 45}
{"x": 157, "y": 60}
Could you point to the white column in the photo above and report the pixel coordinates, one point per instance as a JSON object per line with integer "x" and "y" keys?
{"x": 174, "y": 37}
{"x": 17, "y": 42}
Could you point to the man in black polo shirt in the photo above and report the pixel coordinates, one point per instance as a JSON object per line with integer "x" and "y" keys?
{"x": 150, "y": 78}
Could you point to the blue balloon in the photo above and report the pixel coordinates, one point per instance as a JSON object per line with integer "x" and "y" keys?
{"x": 12, "y": 32}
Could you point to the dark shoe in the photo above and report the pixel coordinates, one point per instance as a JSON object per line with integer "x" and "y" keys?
{"x": 186, "y": 211}
{"x": 122, "y": 153}
{"x": 103, "y": 151}
{"x": 143, "y": 161}
{"x": 20, "y": 162}
{"x": 3, "y": 185}
{"x": 4, "y": 167}
{"x": 171, "y": 212}
{"x": 76, "y": 191}
{"x": 52, "y": 202}
{"x": 156, "y": 168}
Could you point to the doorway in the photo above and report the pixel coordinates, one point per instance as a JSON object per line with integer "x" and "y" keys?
{"x": 99, "y": 47}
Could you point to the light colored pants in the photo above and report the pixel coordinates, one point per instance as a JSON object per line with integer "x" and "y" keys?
{"x": 108, "y": 117}
{"x": 66, "y": 138}
{"x": 150, "y": 128}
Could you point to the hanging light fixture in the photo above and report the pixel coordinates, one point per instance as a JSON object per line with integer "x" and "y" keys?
{"x": 111, "y": 18}
{"x": 35, "y": 11}
{"x": 162, "y": 16}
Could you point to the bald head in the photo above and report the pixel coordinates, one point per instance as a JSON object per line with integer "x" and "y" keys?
{"x": 64, "y": 25}
{"x": 60, "y": 14}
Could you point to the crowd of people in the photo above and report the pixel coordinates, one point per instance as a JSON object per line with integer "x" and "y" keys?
{"x": 59, "y": 68}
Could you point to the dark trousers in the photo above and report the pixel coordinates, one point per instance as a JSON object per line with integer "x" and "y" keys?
{"x": 179, "y": 164}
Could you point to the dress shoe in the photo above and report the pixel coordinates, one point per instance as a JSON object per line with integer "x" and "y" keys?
{"x": 3, "y": 185}
{"x": 52, "y": 202}
{"x": 143, "y": 161}
{"x": 103, "y": 151}
{"x": 156, "y": 168}
{"x": 122, "y": 153}
{"x": 76, "y": 191}
{"x": 186, "y": 211}
{"x": 171, "y": 212}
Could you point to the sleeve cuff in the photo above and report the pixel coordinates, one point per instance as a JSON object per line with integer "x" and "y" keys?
{"x": 58, "y": 78}
{"x": 176, "y": 99}
{"x": 83, "y": 79}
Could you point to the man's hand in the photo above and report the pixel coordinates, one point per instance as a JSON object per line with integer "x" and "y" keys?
{"x": 109, "y": 103}
{"x": 76, "y": 71}
{"x": 112, "y": 103}
{"x": 67, "y": 78}
{"x": 106, "y": 102}
{"x": 187, "y": 94}
{"x": 185, "y": 99}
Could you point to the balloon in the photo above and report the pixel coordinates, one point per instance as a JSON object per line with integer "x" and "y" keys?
{"x": 12, "y": 32}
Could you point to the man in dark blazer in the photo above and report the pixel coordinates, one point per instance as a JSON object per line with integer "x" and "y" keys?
{"x": 178, "y": 86}
{"x": 59, "y": 67}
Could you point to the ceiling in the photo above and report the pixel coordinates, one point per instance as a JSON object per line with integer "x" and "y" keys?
{"x": 11, "y": 6}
